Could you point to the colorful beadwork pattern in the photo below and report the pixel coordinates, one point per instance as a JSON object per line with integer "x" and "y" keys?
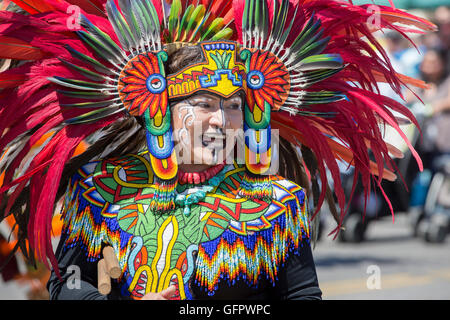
{"x": 108, "y": 202}
{"x": 268, "y": 86}
{"x": 143, "y": 91}
{"x": 219, "y": 73}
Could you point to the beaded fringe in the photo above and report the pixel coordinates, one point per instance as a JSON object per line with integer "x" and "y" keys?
{"x": 255, "y": 187}
{"x": 233, "y": 257}
{"x": 86, "y": 227}
{"x": 164, "y": 197}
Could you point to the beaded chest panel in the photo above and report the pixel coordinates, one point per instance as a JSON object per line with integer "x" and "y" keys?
{"x": 221, "y": 236}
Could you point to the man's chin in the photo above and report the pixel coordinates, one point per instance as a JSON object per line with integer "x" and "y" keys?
{"x": 210, "y": 157}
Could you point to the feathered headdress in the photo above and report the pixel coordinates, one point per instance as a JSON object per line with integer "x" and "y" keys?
{"x": 311, "y": 71}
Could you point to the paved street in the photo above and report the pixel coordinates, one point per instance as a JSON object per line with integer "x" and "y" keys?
{"x": 407, "y": 267}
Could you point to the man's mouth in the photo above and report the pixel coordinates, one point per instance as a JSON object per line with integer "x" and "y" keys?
{"x": 212, "y": 140}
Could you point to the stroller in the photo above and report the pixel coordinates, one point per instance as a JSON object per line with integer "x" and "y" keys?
{"x": 430, "y": 197}
{"x": 423, "y": 196}
{"x": 361, "y": 213}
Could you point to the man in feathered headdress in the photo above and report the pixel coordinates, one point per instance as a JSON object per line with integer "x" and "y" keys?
{"x": 155, "y": 201}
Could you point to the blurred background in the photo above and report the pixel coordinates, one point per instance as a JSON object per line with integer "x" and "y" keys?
{"x": 377, "y": 256}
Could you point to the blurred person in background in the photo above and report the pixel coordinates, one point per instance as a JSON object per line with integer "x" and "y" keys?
{"x": 394, "y": 46}
{"x": 429, "y": 202}
{"x": 434, "y": 147}
{"x": 436, "y": 97}
{"x": 442, "y": 19}
{"x": 434, "y": 71}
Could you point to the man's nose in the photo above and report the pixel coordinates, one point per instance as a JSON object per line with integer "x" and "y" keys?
{"x": 217, "y": 118}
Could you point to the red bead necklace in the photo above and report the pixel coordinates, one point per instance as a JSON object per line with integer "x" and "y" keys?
{"x": 199, "y": 177}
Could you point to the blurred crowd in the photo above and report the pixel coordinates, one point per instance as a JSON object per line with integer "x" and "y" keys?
{"x": 428, "y": 61}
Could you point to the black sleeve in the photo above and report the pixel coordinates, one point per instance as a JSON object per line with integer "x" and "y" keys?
{"x": 297, "y": 279}
{"x": 79, "y": 277}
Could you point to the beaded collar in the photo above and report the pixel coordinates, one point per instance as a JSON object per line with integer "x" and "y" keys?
{"x": 213, "y": 176}
{"x": 199, "y": 177}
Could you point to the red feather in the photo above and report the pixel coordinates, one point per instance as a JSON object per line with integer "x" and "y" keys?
{"x": 90, "y": 6}
{"x": 11, "y": 48}
{"x": 59, "y": 150}
{"x": 34, "y": 6}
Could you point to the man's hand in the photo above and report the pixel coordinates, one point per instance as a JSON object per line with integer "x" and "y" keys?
{"x": 163, "y": 295}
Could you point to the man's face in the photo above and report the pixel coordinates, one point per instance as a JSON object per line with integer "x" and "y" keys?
{"x": 204, "y": 127}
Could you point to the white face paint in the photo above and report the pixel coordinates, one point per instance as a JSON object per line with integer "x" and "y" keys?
{"x": 200, "y": 125}
{"x": 187, "y": 115}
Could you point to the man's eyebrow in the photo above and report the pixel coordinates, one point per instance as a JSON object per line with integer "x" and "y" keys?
{"x": 208, "y": 98}
{"x": 234, "y": 99}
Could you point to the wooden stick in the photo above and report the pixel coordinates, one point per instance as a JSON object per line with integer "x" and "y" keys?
{"x": 104, "y": 281}
{"x": 112, "y": 264}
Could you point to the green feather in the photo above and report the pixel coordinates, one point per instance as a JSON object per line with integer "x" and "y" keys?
{"x": 313, "y": 49}
{"x": 153, "y": 15}
{"x": 258, "y": 13}
{"x": 197, "y": 15}
{"x": 322, "y": 97}
{"x": 251, "y": 15}
{"x": 174, "y": 16}
{"x": 265, "y": 19}
{"x": 213, "y": 28}
{"x": 145, "y": 18}
{"x": 184, "y": 20}
{"x": 86, "y": 72}
{"x": 321, "y": 61}
{"x": 100, "y": 48}
{"x": 118, "y": 22}
{"x": 126, "y": 27}
{"x": 82, "y": 94}
{"x": 130, "y": 18}
{"x": 307, "y": 33}
{"x": 317, "y": 114}
{"x": 223, "y": 34}
{"x": 287, "y": 32}
{"x": 96, "y": 104}
{"x": 199, "y": 27}
{"x": 76, "y": 84}
{"x": 275, "y": 9}
{"x": 96, "y": 32}
{"x": 94, "y": 115}
{"x": 92, "y": 62}
{"x": 245, "y": 16}
{"x": 117, "y": 26}
{"x": 311, "y": 40}
{"x": 280, "y": 18}
{"x": 320, "y": 75}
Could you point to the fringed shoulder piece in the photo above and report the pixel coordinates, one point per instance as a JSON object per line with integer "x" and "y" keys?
{"x": 89, "y": 220}
{"x": 252, "y": 252}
